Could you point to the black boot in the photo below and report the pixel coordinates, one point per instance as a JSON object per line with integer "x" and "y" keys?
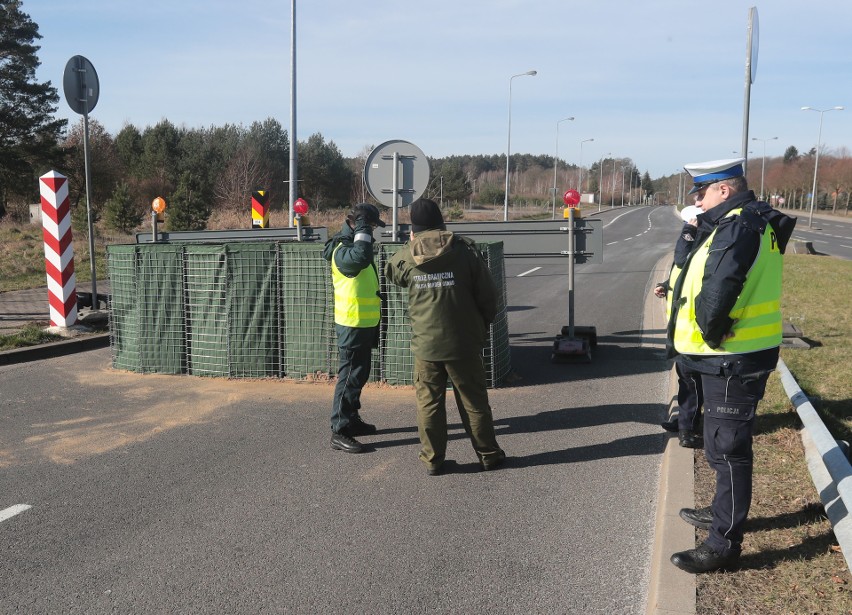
{"x": 701, "y": 518}
{"x": 704, "y": 559}
{"x": 689, "y": 439}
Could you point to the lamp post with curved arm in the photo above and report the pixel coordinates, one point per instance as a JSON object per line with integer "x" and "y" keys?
{"x": 763, "y": 165}
{"x": 580, "y": 170}
{"x": 555, "y": 163}
{"x": 531, "y": 73}
{"x": 600, "y": 182}
{"x": 816, "y": 162}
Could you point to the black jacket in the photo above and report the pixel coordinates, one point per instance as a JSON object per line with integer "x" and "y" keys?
{"x": 734, "y": 249}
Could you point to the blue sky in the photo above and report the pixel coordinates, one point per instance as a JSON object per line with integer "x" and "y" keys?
{"x": 659, "y": 81}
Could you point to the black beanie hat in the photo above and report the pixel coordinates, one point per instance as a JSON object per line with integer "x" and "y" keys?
{"x": 425, "y": 216}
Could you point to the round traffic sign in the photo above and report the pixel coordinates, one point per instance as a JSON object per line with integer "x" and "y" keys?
{"x": 159, "y": 204}
{"x": 412, "y": 173}
{"x": 571, "y": 198}
{"x": 80, "y": 84}
{"x": 300, "y": 206}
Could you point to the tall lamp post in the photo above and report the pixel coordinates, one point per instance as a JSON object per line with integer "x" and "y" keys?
{"x": 600, "y": 181}
{"x": 556, "y": 162}
{"x": 531, "y": 73}
{"x": 816, "y": 163}
{"x": 763, "y": 165}
{"x": 580, "y": 173}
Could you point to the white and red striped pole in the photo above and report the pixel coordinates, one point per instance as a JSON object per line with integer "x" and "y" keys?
{"x": 58, "y": 250}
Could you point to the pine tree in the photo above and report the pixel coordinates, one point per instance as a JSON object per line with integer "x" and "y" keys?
{"x": 120, "y": 211}
{"x": 29, "y": 133}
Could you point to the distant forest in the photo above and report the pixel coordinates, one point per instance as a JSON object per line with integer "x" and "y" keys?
{"x": 200, "y": 171}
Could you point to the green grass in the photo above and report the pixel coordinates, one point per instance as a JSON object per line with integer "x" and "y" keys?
{"x": 22, "y": 257}
{"x": 30, "y": 335}
{"x": 791, "y": 561}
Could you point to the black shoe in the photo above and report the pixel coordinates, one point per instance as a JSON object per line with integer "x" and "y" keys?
{"x": 701, "y": 518}
{"x": 703, "y": 559}
{"x": 670, "y": 425}
{"x": 342, "y": 442}
{"x": 689, "y": 439}
{"x": 357, "y": 427}
{"x": 435, "y": 470}
{"x": 492, "y": 464}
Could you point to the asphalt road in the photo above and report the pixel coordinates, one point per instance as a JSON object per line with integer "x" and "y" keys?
{"x": 832, "y": 236}
{"x": 155, "y": 494}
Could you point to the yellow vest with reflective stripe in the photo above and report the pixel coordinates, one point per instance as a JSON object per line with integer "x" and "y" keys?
{"x": 757, "y": 312}
{"x": 356, "y": 300}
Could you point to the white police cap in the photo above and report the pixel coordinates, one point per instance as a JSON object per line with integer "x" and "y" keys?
{"x": 706, "y": 173}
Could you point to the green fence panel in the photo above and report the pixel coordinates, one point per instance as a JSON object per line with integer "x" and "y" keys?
{"x": 397, "y": 361}
{"x": 162, "y": 331}
{"x": 307, "y": 311}
{"x": 123, "y": 307}
{"x": 253, "y": 330}
{"x": 205, "y": 288}
{"x": 496, "y": 353}
{"x": 259, "y": 310}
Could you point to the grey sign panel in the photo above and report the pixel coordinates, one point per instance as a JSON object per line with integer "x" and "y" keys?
{"x": 531, "y": 237}
{"x": 81, "y": 86}
{"x": 412, "y": 173}
{"x": 309, "y": 234}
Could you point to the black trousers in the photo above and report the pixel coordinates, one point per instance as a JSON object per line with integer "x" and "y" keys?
{"x": 730, "y": 406}
{"x": 690, "y": 398}
{"x": 355, "y": 350}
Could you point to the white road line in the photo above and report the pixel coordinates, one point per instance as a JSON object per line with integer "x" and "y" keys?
{"x": 10, "y": 512}
{"x": 612, "y": 243}
{"x": 842, "y": 246}
{"x": 520, "y": 275}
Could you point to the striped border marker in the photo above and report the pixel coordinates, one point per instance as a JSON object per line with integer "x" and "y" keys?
{"x": 58, "y": 249}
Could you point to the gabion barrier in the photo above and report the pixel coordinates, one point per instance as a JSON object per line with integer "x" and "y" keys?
{"x": 258, "y": 310}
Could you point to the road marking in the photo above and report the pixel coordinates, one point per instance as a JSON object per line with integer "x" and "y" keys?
{"x": 842, "y": 246}
{"x": 520, "y": 275}
{"x": 10, "y": 512}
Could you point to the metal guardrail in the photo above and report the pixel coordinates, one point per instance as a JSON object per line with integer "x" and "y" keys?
{"x": 527, "y": 237}
{"x": 309, "y": 234}
{"x": 829, "y": 467}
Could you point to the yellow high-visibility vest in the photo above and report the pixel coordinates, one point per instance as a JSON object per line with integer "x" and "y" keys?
{"x": 356, "y": 300}
{"x": 757, "y": 311}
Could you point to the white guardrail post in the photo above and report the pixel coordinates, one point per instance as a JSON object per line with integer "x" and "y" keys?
{"x": 830, "y": 469}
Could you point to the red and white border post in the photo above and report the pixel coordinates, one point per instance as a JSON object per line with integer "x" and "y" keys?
{"x": 58, "y": 249}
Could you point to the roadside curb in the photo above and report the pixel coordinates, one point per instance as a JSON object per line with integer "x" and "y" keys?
{"x": 54, "y": 349}
{"x": 671, "y": 591}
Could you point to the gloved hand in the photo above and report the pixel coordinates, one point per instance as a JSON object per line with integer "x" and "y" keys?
{"x": 368, "y": 213}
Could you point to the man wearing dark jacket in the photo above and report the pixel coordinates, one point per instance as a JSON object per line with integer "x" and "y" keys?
{"x": 725, "y": 324}
{"x": 452, "y": 299}
{"x": 357, "y": 312}
{"x": 690, "y": 397}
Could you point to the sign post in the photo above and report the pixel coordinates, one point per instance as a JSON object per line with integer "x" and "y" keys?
{"x": 572, "y": 345}
{"x": 82, "y": 90}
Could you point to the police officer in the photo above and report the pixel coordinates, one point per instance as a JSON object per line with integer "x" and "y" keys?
{"x": 725, "y": 324}
{"x": 357, "y": 312}
{"x": 451, "y": 300}
{"x": 690, "y": 397}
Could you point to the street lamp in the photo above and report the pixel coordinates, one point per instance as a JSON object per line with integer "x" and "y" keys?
{"x": 600, "y": 181}
{"x": 763, "y": 165}
{"x": 556, "y": 161}
{"x": 580, "y": 173}
{"x": 612, "y": 192}
{"x": 816, "y": 162}
{"x": 531, "y": 73}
